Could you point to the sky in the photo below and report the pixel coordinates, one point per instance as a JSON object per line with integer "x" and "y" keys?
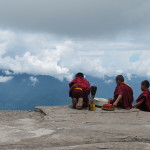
{"x": 62, "y": 37}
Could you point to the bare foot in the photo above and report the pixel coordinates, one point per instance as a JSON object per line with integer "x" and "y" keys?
{"x": 79, "y": 104}
{"x": 74, "y": 102}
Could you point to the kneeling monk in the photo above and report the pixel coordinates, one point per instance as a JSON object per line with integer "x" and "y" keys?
{"x": 143, "y": 101}
{"x": 79, "y": 91}
{"x": 123, "y": 95}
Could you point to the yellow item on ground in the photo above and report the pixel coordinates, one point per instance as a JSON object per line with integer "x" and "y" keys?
{"x": 92, "y": 106}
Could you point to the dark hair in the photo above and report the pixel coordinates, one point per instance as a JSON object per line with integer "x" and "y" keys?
{"x": 120, "y": 78}
{"x": 79, "y": 74}
{"x": 145, "y": 83}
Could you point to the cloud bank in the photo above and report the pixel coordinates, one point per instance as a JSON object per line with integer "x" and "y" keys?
{"x": 76, "y": 18}
{"x": 45, "y": 54}
{"x": 61, "y": 37}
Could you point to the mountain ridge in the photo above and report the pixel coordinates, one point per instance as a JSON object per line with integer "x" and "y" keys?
{"x": 25, "y": 91}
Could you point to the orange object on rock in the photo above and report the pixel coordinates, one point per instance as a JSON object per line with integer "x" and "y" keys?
{"x": 92, "y": 106}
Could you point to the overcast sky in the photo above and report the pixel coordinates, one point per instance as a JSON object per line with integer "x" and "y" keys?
{"x": 62, "y": 37}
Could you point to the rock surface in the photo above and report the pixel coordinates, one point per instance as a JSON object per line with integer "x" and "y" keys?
{"x": 64, "y": 128}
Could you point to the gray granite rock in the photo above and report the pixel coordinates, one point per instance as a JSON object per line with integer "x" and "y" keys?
{"x": 64, "y": 128}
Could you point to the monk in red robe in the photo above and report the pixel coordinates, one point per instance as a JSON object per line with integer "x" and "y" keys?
{"x": 123, "y": 95}
{"x": 79, "y": 91}
{"x": 143, "y": 101}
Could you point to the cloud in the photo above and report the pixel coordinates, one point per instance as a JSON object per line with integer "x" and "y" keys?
{"x": 7, "y": 72}
{"x": 46, "y": 54}
{"x": 5, "y": 79}
{"x": 129, "y": 76}
{"x": 34, "y": 80}
{"x": 76, "y": 18}
{"x": 61, "y": 37}
{"x": 108, "y": 81}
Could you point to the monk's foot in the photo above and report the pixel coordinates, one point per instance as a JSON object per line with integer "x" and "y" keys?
{"x": 79, "y": 105}
{"x": 74, "y": 102}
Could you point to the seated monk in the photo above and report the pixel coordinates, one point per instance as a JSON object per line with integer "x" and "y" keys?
{"x": 143, "y": 101}
{"x": 123, "y": 95}
{"x": 79, "y": 91}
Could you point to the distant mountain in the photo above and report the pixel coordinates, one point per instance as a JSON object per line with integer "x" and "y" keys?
{"x": 107, "y": 85}
{"x": 23, "y": 94}
{"x": 24, "y": 91}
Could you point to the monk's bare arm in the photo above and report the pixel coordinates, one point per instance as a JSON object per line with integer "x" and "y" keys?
{"x": 117, "y": 100}
{"x": 139, "y": 103}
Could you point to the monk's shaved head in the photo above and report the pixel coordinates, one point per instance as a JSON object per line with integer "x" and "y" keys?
{"x": 79, "y": 74}
{"x": 120, "y": 78}
{"x": 145, "y": 83}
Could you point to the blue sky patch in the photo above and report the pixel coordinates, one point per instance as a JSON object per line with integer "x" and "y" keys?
{"x": 135, "y": 57}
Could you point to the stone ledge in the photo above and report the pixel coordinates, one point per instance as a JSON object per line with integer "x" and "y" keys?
{"x": 64, "y": 128}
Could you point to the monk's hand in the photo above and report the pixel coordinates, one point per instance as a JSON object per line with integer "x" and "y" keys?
{"x": 117, "y": 100}
{"x": 115, "y": 104}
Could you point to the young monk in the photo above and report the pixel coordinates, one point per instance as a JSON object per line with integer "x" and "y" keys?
{"x": 123, "y": 95}
{"x": 143, "y": 101}
{"x": 79, "y": 91}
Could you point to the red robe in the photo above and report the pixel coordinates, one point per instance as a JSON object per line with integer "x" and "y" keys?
{"x": 80, "y": 82}
{"x": 127, "y": 96}
{"x": 145, "y": 106}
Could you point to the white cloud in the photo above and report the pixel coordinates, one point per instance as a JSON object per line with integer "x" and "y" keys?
{"x": 129, "y": 76}
{"x": 34, "y": 80}
{"x": 108, "y": 81}
{"x": 7, "y": 72}
{"x": 43, "y": 54}
{"x": 5, "y": 79}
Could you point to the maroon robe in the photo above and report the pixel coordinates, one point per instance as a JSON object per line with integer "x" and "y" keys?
{"x": 82, "y": 83}
{"x": 127, "y": 96}
{"x": 145, "y": 106}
